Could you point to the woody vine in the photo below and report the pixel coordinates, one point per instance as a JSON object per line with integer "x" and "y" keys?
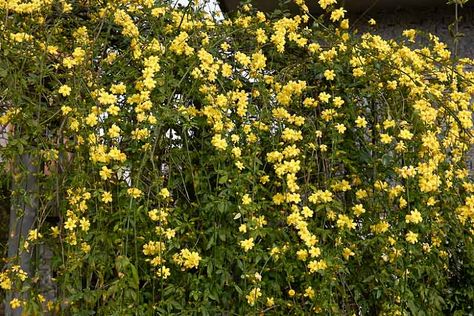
{"x": 163, "y": 161}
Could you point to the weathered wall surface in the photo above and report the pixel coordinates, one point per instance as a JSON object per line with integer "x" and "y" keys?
{"x": 390, "y": 24}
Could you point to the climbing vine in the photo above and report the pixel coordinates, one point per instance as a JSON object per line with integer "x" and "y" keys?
{"x": 175, "y": 162}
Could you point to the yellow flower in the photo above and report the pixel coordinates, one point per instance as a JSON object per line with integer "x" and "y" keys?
{"x": 337, "y": 14}
{"x": 225, "y": 46}
{"x": 253, "y": 296}
{"x": 361, "y": 122}
{"x": 414, "y": 217}
{"x": 340, "y": 128}
{"x": 324, "y": 97}
{"x": 325, "y": 3}
{"x": 41, "y": 298}
{"x": 307, "y": 212}
{"x": 226, "y": 70}
{"x": 380, "y": 227}
{"x": 317, "y": 265}
{"x": 465, "y": 117}
{"x": 158, "y": 11}
{"x": 239, "y": 165}
{"x": 170, "y": 233}
{"x": 247, "y": 244}
{"x": 66, "y": 109}
{"x": 258, "y": 61}
{"x": 70, "y": 224}
{"x": 34, "y": 234}
{"x": 15, "y": 303}
{"x": 91, "y": 119}
{"x": 392, "y": 84}
{"x": 55, "y": 231}
{"x": 243, "y": 59}
{"x": 5, "y": 282}
{"x": 246, "y": 199}
{"x": 329, "y": 74}
{"x": 400, "y": 147}
{"x": 372, "y": 22}
{"x": 106, "y": 197}
{"x": 278, "y": 199}
{"x": 309, "y": 292}
{"x": 153, "y": 247}
{"x": 385, "y": 138}
{"x": 360, "y": 194}
{"x": 314, "y": 47}
{"x": 114, "y": 131}
{"x": 402, "y": 203}
{"x": 237, "y": 152}
{"x": 85, "y": 224}
{"x": 85, "y": 247}
{"x": 315, "y": 252}
{"x": 65, "y": 90}
{"x": 264, "y": 179}
{"x": 347, "y": 253}
{"x": 116, "y": 154}
{"x": 191, "y": 259}
{"x": 429, "y": 182}
{"x": 291, "y": 293}
{"x": 165, "y": 193}
{"x": 410, "y": 34}
{"x": 411, "y": 237}
{"x": 405, "y": 134}
{"x": 338, "y": 102}
{"x": 407, "y": 172}
{"x": 118, "y": 88}
{"x": 134, "y": 192}
{"x": 154, "y": 214}
{"x": 260, "y": 36}
{"x": 105, "y": 173}
{"x": 358, "y": 209}
{"x": 291, "y": 135}
{"x": 345, "y": 221}
{"x": 218, "y": 142}
{"x": 113, "y": 110}
{"x": 163, "y": 272}
{"x": 270, "y": 302}
{"x": 302, "y": 254}
{"x": 106, "y": 98}
{"x": 358, "y": 72}
{"x": 321, "y": 197}
{"x": 388, "y": 124}
{"x": 344, "y": 24}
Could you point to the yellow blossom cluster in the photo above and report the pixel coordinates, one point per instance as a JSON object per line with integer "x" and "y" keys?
{"x": 187, "y": 259}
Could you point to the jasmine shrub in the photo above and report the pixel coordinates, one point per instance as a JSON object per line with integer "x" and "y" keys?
{"x": 256, "y": 164}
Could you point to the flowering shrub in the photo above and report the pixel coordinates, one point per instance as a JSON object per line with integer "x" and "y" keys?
{"x": 261, "y": 164}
